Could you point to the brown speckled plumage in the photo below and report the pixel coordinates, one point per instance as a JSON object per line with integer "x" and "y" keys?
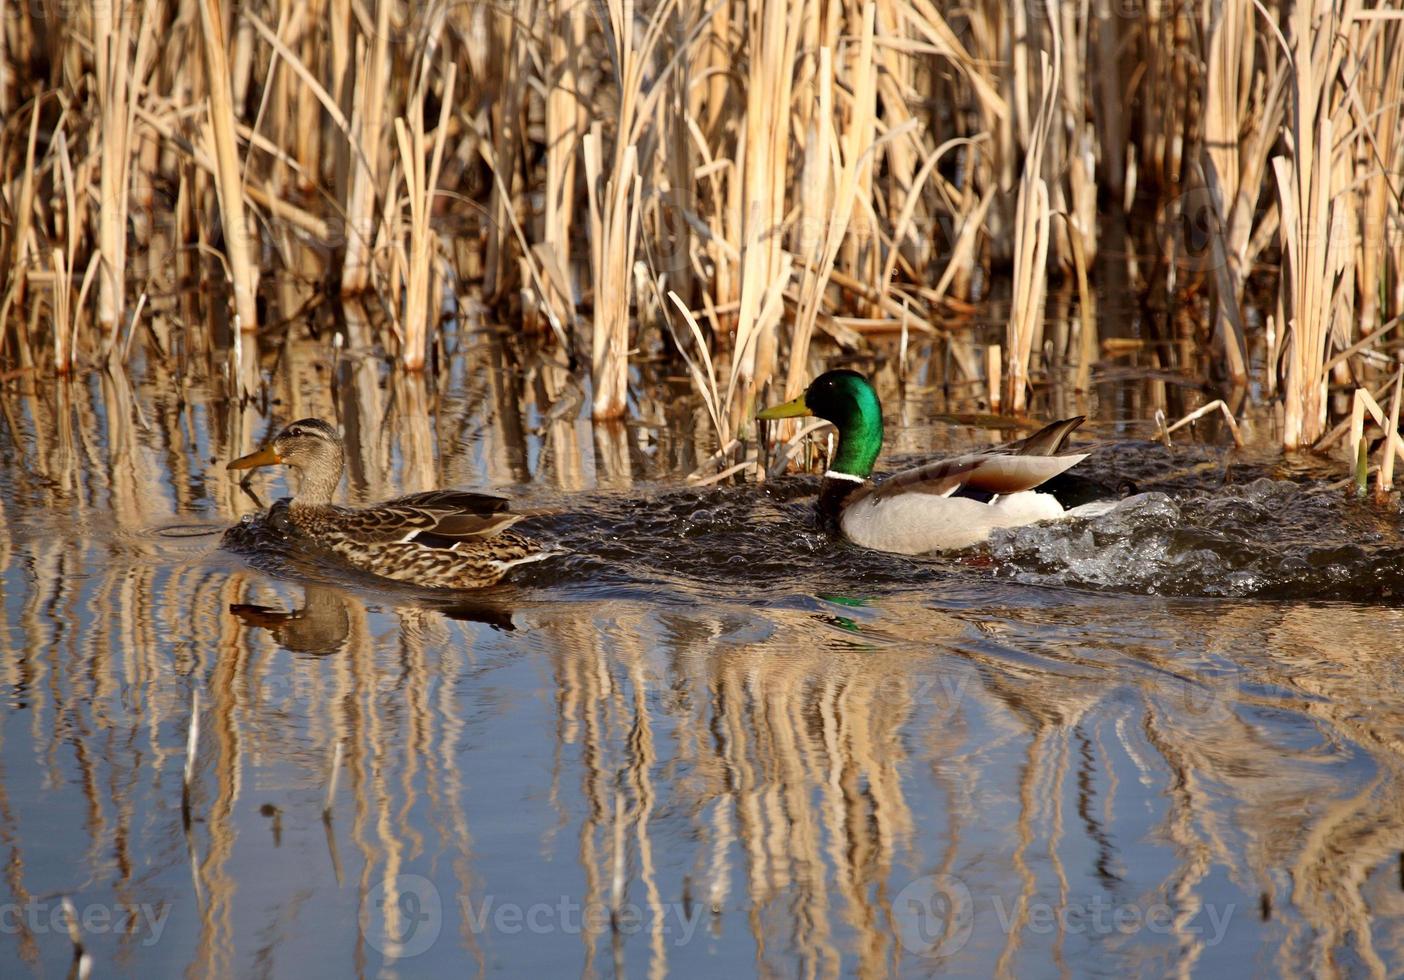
{"x": 449, "y": 539}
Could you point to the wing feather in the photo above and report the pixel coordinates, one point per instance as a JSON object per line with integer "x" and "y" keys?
{"x": 466, "y": 527}
{"x": 436, "y": 519}
{"x": 978, "y": 471}
{"x": 1047, "y": 441}
{"x": 1010, "y": 468}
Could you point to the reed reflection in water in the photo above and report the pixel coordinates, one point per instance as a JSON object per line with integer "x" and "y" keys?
{"x": 821, "y": 774}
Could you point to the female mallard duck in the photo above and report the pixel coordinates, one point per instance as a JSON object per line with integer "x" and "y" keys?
{"x": 948, "y": 504}
{"x": 442, "y": 539}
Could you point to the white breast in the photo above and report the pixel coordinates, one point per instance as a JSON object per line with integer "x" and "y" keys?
{"x": 916, "y": 523}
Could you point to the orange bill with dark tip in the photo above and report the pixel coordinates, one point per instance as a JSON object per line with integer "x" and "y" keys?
{"x": 264, "y": 457}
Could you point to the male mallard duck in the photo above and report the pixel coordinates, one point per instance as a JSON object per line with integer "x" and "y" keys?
{"x": 443, "y": 539}
{"x": 948, "y": 504}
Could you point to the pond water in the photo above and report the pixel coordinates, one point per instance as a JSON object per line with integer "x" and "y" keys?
{"x": 705, "y": 739}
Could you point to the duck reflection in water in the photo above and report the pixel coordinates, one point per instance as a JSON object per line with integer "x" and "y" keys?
{"x": 320, "y": 627}
{"x": 323, "y": 623}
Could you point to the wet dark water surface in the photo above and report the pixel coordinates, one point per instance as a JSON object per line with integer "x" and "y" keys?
{"x": 706, "y": 739}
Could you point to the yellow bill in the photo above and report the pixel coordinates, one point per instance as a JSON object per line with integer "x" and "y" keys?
{"x": 789, "y": 410}
{"x": 264, "y": 457}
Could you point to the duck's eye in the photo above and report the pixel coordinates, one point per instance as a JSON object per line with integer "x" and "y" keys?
{"x": 295, "y": 431}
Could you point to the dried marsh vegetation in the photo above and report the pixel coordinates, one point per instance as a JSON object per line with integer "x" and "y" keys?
{"x": 720, "y": 182}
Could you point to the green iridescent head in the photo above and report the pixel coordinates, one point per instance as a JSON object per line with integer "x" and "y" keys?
{"x": 846, "y": 399}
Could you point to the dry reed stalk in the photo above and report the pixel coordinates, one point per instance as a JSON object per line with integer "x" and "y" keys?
{"x": 704, "y": 382}
{"x": 366, "y": 91}
{"x": 62, "y": 315}
{"x": 339, "y": 58}
{"x": 1314, "y": 229}
{"x": 8, "y": 95}
{"x": 1393, "y": 446}
{"x": 66, "y": 309}
{"x": 715, "y": 66}
{"x": 1217, "y": 405}
{"x": 1361, "y": 402}
{"x": 82, "y": 962}
{"x": 238, "y": 237}
{"x": 1030, "y": 247}
{"x": 614, "y": 221}
{"x": 905, "y": 154}
{"x": 859, "y": 250}
{"x": 1113, "y": 97}
{"x": 564, "y": 121}
{"x": 541, "y": 273}
{"x": 1373, "y": 84}
{"x": 1075, "y": 136}
{"x": 719, "y": 403}
{"x": 306, "y": 120}
{"x": 13, "y": 277}
{"x": 615, "y": 209}
{"x": 1162, "y": 86}
{"x": 192, "y": 751}
{"x": 757, "y": 199}
{"x": 1227, "y": 277}
{"x": 681, "y": 194}
{"x": 421, "y": 186}
{"x": 119, "y": 77}
{"x": 1245, "y": 93}
{"x": 992, "y": 371}
{"x": 963, "y": 256}
{"x": 501, "y": 132}
{"x": 329, "y": 801}
{"x": 846, "y": 160}
{"x": 277, "y": 208}
{"x": 275, "y": 105}
{"x": 110, "y": 53}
